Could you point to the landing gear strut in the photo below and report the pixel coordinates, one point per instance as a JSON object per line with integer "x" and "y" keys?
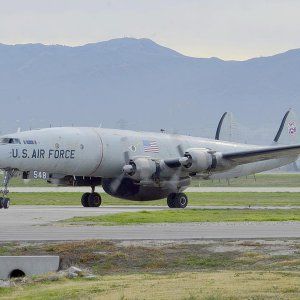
{"x": 91, "y": 199}
{"x": 4, "y": 200}
{"x": 177, "y": 200}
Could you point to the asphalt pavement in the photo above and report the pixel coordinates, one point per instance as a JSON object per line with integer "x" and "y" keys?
{"x": 38, "y": 223}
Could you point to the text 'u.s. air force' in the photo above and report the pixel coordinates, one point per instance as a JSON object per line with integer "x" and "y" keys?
{"x": 42, "y": 154}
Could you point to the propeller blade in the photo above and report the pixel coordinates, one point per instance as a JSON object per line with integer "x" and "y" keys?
{"x": 127, "y": 169}
{"x": 126, "y": 157}
{"x": 173, "y": 182}
{"x": 115, "y": 184}
{"x": 180, "y": 150}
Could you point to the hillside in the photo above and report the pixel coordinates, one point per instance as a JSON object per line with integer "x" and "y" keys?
{"x": 138, "y": 84}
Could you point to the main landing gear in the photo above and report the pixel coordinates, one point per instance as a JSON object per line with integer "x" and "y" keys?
{"x": 4, "y": 200}
{"x": 91, "y": 199}
{"x": 177, "y": 200}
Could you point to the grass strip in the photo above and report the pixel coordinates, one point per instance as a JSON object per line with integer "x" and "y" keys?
{"x": 185, "y": 285}
{"x": 203, "y": 199}
{"x": 260, "y": 180}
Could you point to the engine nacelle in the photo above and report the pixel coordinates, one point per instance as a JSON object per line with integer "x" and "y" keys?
{"x": 140, "y": 168}
{"x": 199, "y": 160}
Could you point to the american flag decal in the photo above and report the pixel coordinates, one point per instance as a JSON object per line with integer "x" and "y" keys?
{"x": 150, "y": 146}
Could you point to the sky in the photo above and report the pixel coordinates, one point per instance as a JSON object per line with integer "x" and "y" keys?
{"x": 231, "y": 29}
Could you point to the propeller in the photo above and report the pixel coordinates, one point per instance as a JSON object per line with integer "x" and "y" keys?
{"x": 115, "y": 184}
{"x": 176, "y": 163}
{"x": 183, "y": 160}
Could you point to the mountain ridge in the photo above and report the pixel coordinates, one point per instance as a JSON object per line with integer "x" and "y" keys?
{"x": 120, "y": 42}
{"x": 146, "y": 85}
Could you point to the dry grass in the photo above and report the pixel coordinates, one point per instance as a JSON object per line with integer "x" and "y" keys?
{"x": 107, "y": 257}
{"x": 184, "y": 285}
{"x": 167, "y": 271}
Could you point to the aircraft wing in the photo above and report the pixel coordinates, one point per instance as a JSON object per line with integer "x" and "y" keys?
{"x": 249, "y": 156}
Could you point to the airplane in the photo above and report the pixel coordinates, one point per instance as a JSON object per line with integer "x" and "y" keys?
{"x": 138, "y": 166}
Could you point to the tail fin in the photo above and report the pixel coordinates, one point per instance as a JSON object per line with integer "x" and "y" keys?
{"x": 227, "y": 129}
{"x": 217, "y": 136}
{"x": 288, "y": 130}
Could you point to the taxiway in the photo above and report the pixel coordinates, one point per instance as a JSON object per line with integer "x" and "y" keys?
{"x": 38, "y": 223}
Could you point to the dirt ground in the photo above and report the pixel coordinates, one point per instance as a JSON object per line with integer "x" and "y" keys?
{"x": 109, "y": 257}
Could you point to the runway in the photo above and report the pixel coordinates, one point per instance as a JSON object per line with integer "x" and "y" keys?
{"x": 227, "y": 189}
{"x": 37, "y": 223}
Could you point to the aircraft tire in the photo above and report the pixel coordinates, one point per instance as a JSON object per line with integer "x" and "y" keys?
{"x": 180, "y": 200}
{"x": 94, "y": 200}
{"x": 1, "y": 202}
{"x": 171, "y": 200}
{"x": 85, "y": 199}
{"x": 6, "y": 203}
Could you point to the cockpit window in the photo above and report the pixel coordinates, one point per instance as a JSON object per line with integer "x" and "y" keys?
{"x": 8, "y": 140}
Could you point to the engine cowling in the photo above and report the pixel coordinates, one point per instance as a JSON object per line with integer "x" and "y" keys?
{"x": 199, "y": 160}
{"x": 140, "y": 168}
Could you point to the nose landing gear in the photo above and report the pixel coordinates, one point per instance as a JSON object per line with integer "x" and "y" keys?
{"x": 4, "y": 203}
{"x": 4, "y": 200}
{"x": 92, "y": 199}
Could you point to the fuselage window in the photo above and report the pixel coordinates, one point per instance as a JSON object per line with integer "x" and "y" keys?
{"x": 29, "y": 142}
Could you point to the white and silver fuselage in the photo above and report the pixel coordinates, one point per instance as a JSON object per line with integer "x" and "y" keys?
{"x": 98, "y": 152}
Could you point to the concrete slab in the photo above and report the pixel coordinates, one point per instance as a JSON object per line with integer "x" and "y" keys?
{"x": 29, "y": 265}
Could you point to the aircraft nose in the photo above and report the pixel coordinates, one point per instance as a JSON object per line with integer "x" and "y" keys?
{"x": 4, "y": 157}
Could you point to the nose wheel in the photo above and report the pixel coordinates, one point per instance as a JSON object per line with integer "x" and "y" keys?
{"x": 91, "y": 199}
{"x": 177, "y": 200}
{"x": 4, "y": 203}
{"x": 4, "y": 200}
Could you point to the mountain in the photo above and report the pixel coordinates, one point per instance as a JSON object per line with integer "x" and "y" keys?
{"x": 138, "y": 84}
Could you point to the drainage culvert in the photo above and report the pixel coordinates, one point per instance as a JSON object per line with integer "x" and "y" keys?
{"x": 19, "y": 266}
